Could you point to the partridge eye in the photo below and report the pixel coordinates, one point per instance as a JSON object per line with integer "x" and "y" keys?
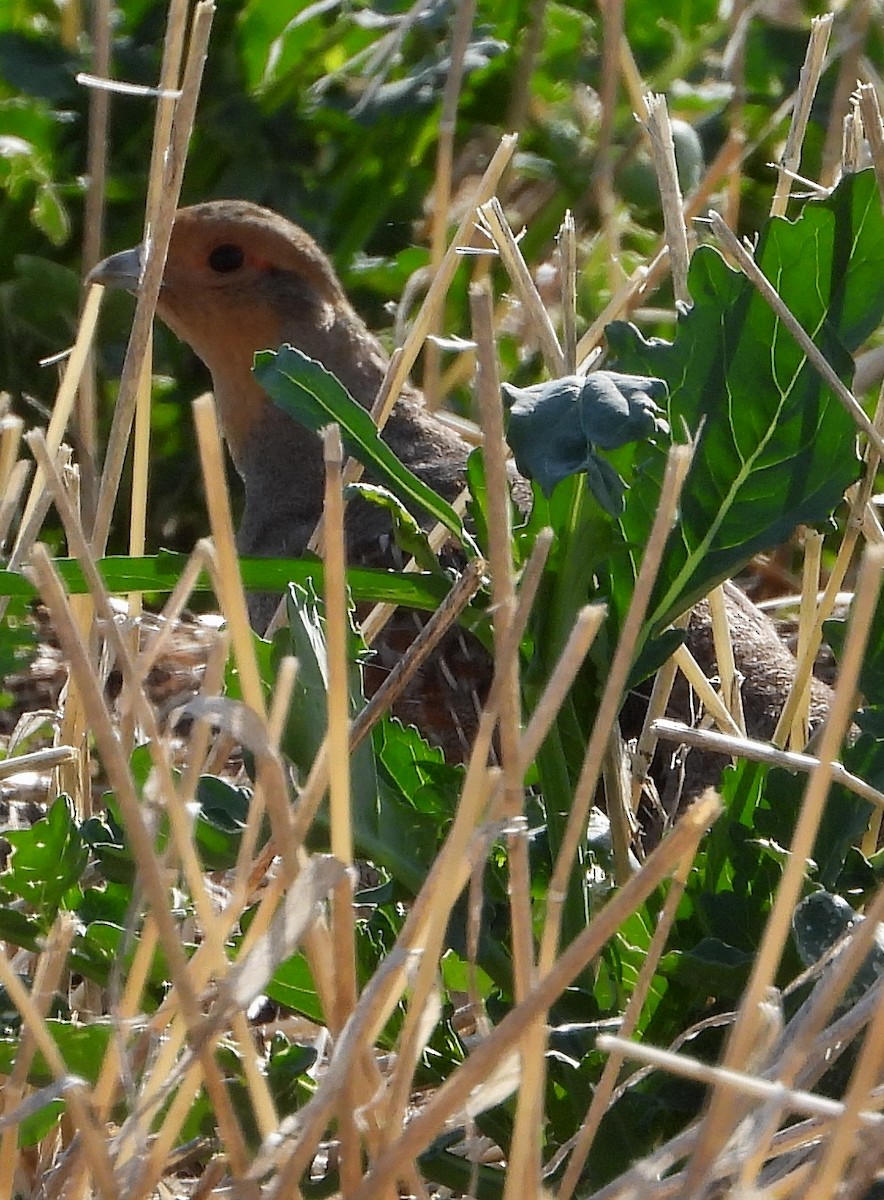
{"x": 226, "y": 258}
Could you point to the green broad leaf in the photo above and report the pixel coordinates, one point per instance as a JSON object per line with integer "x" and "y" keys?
{"x": 287, "y": 1074}
{"x": 160, "y": 573}
{"x": 712, "y": 968}
{"x": 47, "y": 861}
{"x": 774, "y": 447}
{"x": 82, "y": 1047}
{"x": 406, "y": 531}
{"x": 821, "y": 920}
{"x": 223, "y": 814}
{"x": 21, "y": 930}
{"x": 556, "y": 429}
{"x": 313, "y": 396}
{"x": 292, "y": 985}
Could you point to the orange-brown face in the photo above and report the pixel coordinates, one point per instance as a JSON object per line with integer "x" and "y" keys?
{"x": 238, "y": 279}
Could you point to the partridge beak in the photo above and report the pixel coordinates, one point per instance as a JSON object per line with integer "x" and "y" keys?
{"x": 121, "y": 270}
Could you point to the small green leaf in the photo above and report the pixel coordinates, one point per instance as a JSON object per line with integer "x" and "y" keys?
{"x": 821, "y": 920}
{"x": 303, "y": 388}
{"x": 408, "y": 534}
{"x": 47, "y": 860}
{"x": 555, "y": 429}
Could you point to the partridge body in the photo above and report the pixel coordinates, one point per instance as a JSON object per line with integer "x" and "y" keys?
{"x": 240, "y": 279}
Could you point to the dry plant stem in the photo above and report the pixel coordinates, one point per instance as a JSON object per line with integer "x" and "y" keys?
{"x": 424, "y": 931}
{"x": 873, "y": 129}
{"x": 503, "y": 592}
{"x": 179, "y": 821}
{"x": 525, "y": 1161}
{"x": 504, "y": 601}
{"x": 645, "y": 278}
{"x": 852, "y": 140}
{"x": 124, "y": 1011}
{"x": 583, "y": 633}
{"x": 814, "y": 356}
{"x": 231, "y": 595}
{"x": 583, "y": 1140}
{"x": 11, "y": 429}
{"x": 96, "y": 151}
{"x": 496, "y": 224}
{"x": 337, "y": 625}
{"x": 659, "y": 131}
{"x": 743, "y": 747}
{"x": 749, "y": 1086}
{"x": 820, "y": 28}
{"x": 801, "y": 1040}
{"x": 28, "y": 532}
{"x": 722, "y": 1116}
{"x": 735, "y": 74}
{"x": 423, "y": 645}
{"x": 64, "y": 401}
{"x": 422, "y": 938}
{"x": 37, "y": 760}
{"x": 463, "y": 24}
{"x": 172, "y": 610}
{"x": 283, "y": 686}
{"x": 454, "y": 1093}
{"x": 635, "y": 85}
{"x": 676, "y": 470}
{"x": 813, "y": 550}
{"x": 567, "y": 240}
{"x": 170, "y": 155}
{"x": 9, "y": 505}
{"x": 47, "y": 978}
{"x": 93, "y": 238}
{"x": 140, "y": 470}
{"x": 860, "y": 1096}
{"x": 724, "y": 656}
{"x": 154, "y": 1157}
{"x": 423, "y": 322}
{"x": 140, "y": 837}
{"x": 76, "y": 1092}
{"x": 852, "y": 39}
{"x": 627, "y": 297}
{"x": 615, "y": 769}
{"x": 647, "y": 742}
{"x": 77, "y": 543}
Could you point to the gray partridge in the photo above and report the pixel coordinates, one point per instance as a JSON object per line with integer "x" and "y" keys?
{"x": 239, "y": 279}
